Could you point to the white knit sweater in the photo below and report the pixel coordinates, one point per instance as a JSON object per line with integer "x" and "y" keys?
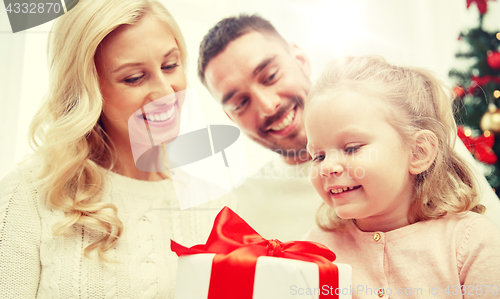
{"x": 36, "y": 264}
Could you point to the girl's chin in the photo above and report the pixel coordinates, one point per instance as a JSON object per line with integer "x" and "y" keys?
{"x": 344, "y": 213}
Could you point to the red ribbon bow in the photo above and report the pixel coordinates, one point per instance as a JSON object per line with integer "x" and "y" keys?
{"x": 237, "y": 247}
{"x": 480, "y": 146}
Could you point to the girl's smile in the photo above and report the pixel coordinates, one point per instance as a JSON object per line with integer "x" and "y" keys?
{"x": 341, "y": 190}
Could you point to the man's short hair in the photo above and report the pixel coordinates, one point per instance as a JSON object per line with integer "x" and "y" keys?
{"x": 227, "y": 30}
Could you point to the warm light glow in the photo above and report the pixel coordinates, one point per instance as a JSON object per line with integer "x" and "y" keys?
{"x": 334, "y": 24}
{"x": 498, "y": 35}
{"x": 496, "y": 94}
{"x": 467, "y": 132}
{"x": 486, "y": 133}
{"x": 492, "y": 108}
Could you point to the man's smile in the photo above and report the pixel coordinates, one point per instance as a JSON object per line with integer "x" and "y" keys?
{"x": 285, "y": 124}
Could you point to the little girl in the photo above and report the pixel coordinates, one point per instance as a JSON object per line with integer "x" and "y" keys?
{"x": 400, "y": 206}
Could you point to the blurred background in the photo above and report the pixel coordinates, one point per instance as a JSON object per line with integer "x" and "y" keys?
{"x": 422, "y": 33}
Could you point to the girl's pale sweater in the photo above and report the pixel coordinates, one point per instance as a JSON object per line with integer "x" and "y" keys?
{"x": 36, "y": 264}
{"x": 427, "y": 259}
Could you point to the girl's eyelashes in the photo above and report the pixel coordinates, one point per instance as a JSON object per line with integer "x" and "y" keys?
{"x": 352, "y": 149}
{"x": 318, "y": 158}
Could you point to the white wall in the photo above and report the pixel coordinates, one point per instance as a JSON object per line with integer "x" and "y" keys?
{"x": 410, "y": 32}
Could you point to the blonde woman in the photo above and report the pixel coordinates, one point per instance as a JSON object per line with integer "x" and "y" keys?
{"x": 79, "y": 220}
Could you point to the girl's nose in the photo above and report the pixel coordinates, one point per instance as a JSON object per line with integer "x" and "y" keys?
{"x": 334, "y": 169}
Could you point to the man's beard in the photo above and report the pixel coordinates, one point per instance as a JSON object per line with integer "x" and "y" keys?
{"x": 299, "y": 149}
{"x": 299, "y": 146}
{"x": 295, "y": 101}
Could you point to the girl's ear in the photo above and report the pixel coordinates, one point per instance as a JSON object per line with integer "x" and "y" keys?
{"x": 424, "y": 151}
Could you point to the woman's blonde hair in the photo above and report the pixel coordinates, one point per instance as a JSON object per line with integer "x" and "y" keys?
{"x": 412, "y": 99}
{"x": 67, "y": 133}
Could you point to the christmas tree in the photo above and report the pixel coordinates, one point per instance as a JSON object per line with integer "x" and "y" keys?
{"x": 478, "y": 95}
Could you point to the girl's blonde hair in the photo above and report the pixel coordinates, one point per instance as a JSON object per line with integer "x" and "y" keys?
{"x": 67, "y": 133}
{"x": 414, "y": 100}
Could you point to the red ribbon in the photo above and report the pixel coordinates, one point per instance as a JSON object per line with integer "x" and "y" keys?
{"x": 237, "y": 247}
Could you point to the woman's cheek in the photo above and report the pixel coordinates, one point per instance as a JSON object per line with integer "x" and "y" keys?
{"x": 180, "y": 80}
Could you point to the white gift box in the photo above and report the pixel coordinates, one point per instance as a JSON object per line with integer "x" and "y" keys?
{"x": 274, "y": 278}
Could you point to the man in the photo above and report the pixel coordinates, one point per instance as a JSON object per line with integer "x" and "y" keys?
{"x": 262, "y": 83}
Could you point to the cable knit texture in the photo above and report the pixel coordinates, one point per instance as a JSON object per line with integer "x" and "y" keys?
{"x": 427, "y": 259}
{"x": 36, "y": 264}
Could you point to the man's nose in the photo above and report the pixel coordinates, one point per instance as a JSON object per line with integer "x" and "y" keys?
{"x": 268, "y": 103}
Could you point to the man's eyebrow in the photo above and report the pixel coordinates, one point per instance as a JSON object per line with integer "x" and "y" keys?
{"x": 228, "y": 96}
{"x": 139, "y": 63}
{"x": 262, "y": 65}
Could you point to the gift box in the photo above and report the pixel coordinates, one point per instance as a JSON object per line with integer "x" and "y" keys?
{"x": 236, "y": 262}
